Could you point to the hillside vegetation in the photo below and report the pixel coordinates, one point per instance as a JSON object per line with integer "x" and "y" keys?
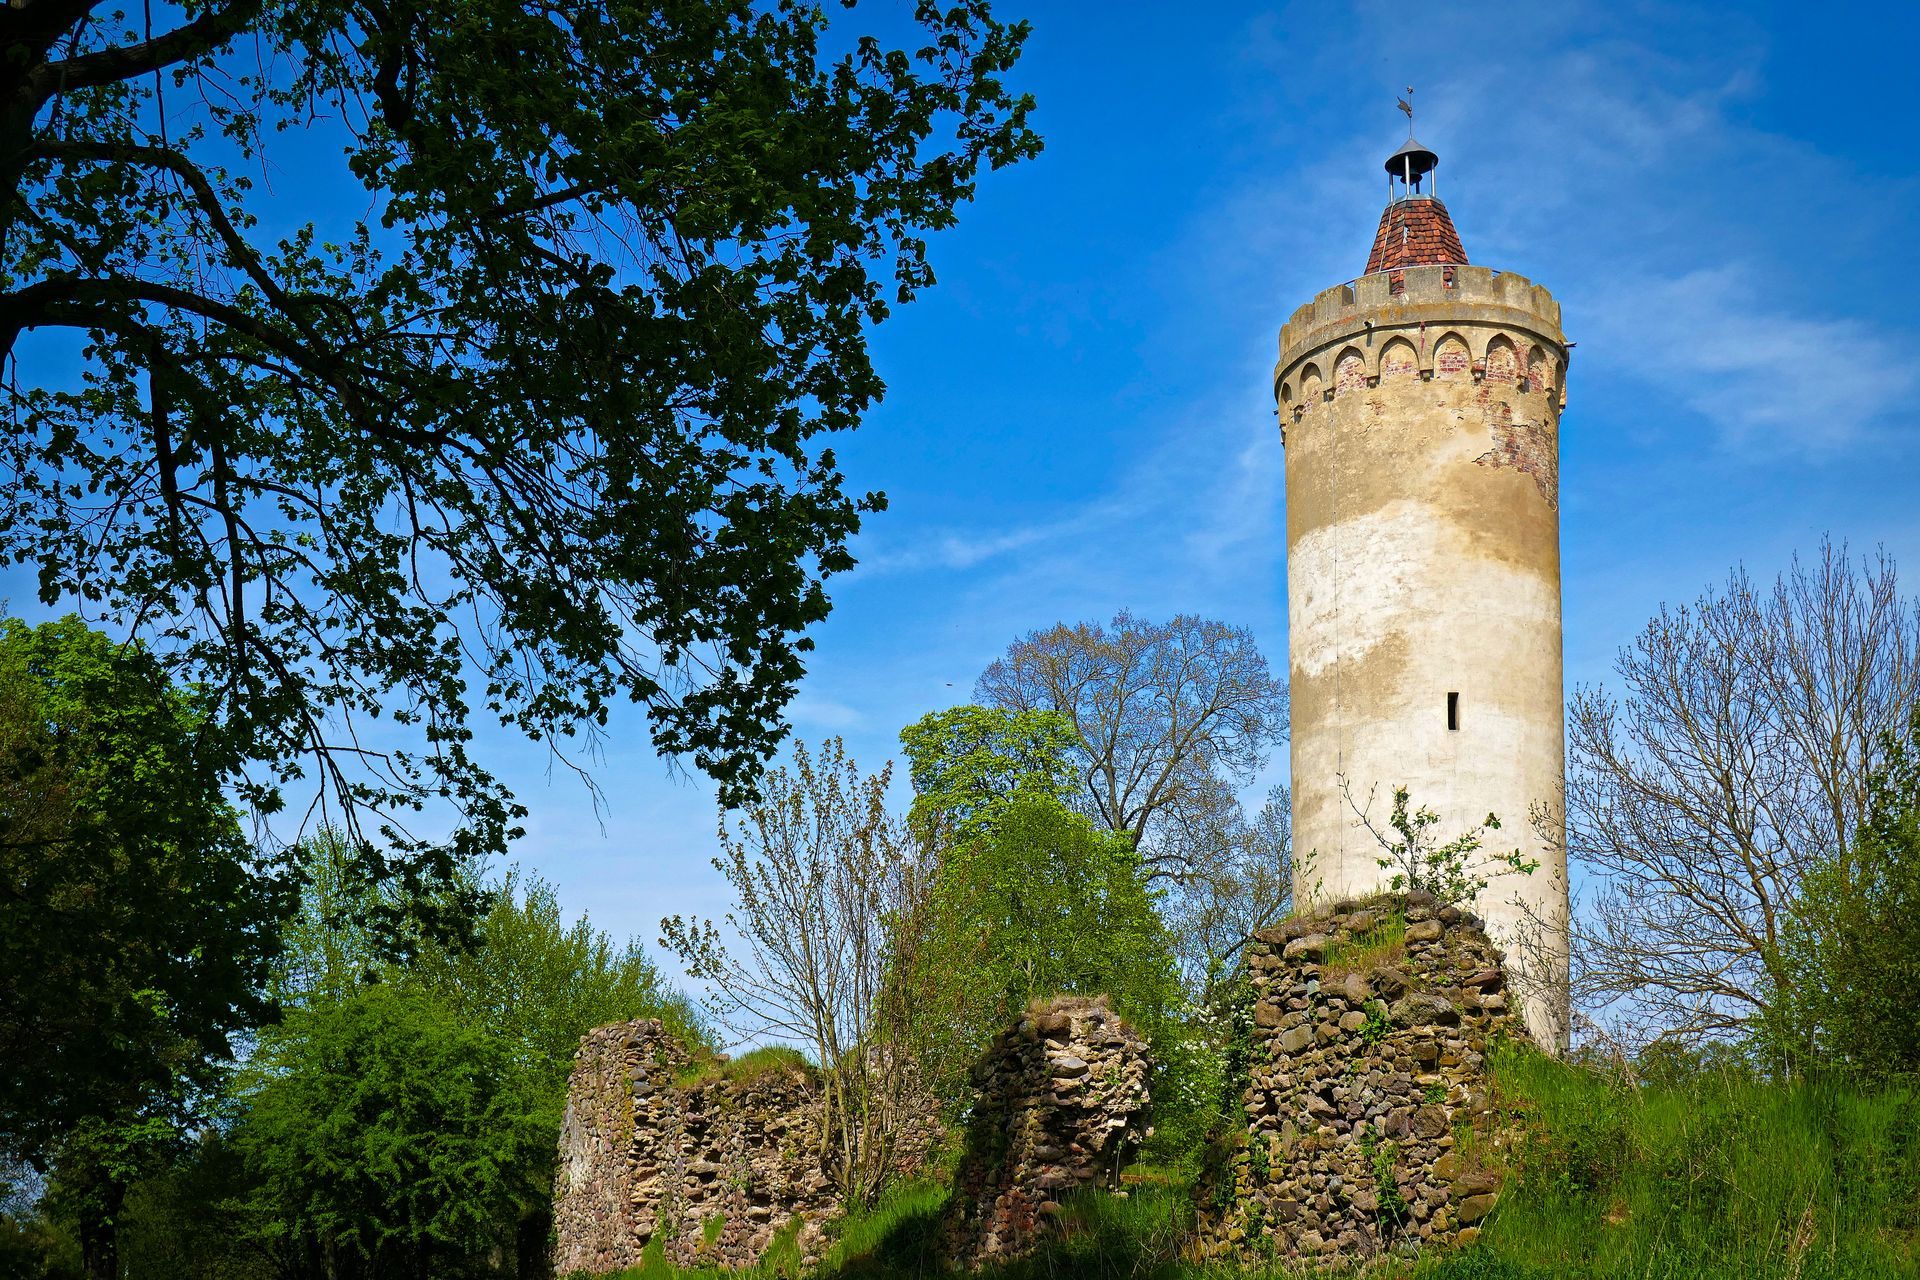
{"x": 1711, "y": 1174}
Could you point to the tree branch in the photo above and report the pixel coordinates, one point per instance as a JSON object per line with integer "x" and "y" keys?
{"x": 108, "y": 66}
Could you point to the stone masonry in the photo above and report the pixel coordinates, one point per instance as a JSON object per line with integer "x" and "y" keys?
{"x": 711, "y": 1168}
{"x": 1368, "y": 1120}
{"x": 1420, "y": 410}
{"x": 1061, "y": 1097}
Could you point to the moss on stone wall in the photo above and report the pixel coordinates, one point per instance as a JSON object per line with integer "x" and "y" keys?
{"x": 693, "y": 1158}
{"x": 1367, "y": 1119}
{"x": 1063, "y": 1093}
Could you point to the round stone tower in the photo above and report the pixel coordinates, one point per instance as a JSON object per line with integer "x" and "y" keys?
{"x": 1420, "y": 411}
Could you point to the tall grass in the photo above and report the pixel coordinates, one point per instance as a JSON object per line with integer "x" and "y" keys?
{"x": 1721, "y": 1176}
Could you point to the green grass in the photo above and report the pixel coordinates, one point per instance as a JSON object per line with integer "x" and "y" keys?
{"x": 1717, "y": 1177}
{"x": 748, "y": 1066}
{"x": 1720, "y": 1175}
{"x": 1384, "y": 943}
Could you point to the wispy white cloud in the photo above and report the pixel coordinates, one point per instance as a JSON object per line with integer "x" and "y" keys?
{"x": 956, "y": 549}
{"x": 1187, "y": 521}
{"x": 1773, "y": 382}
{"x": 811, "y": 711}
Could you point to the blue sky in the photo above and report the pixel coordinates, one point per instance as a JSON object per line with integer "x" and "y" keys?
{"x": 1079, "y": 416}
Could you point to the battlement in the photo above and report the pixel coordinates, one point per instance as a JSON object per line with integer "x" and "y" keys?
{"x": 1423, "y": 305}
{"x": 1461, "y": 285}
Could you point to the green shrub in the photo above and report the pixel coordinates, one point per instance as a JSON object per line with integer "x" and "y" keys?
{"x": 387, "y": 1135}
{"x": 1850, "y": 994}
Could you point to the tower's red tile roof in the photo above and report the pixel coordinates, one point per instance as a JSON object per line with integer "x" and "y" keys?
{"x": 1415, "y": 232}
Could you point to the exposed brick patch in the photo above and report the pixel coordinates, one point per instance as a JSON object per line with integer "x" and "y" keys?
{"x": 1527, "y": 447}
{"x": 1451, "y": 360}
{"x": 1350, "y": 374}
{"x": 1502, "y": 363}
{"x": 1413, "y": 233}
{"x": 1398, "y": 359}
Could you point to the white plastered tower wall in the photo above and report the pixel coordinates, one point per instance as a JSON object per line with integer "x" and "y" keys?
{"x": 1420, "y": 412}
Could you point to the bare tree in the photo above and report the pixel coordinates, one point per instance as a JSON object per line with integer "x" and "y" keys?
{"x": 1168, "y": 715}
{"x": 1241, "y": 880}
{"x": 1739, "y": 755}
{"x": 821, "y": 873}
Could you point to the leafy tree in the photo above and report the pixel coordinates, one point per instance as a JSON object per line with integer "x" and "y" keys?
{"x": 969, "y": 762}
{"x": 32, "y": 1247}
{"x": 327, "y": 949}
{"x": 1049, "y": 903}
{"x": 823, "y": 879}
{"x": 136, "y": 924}
{"x": 194, "y": 1220}
{"x": 538, "y": 985}
{"x": 1029, "y": 898}
{"x": 1852, "y": 946}
{"x": 529, "y": 987}
{"x": 543, "y": 429}
{"x": 535, "y": 986}
{"x": 1168, "y": 719}
{"x": 386, "y": 1135}
{"x": 524, "y": 975}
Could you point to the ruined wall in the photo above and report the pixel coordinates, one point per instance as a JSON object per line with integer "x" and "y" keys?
{"x": 1367, "y": 1116}
{"x": 1420, "y": 413}
{"x": 1062, "y": 1095}
{"x": 712, "y": 1168}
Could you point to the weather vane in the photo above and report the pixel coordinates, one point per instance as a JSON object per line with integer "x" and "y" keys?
{"x": 1406, "y": 105}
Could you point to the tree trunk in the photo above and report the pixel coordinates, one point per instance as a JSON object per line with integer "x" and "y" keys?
{"x": 98, "y": 1231}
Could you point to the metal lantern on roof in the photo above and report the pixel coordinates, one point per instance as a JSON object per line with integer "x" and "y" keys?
{"x": 1407, "y": 168}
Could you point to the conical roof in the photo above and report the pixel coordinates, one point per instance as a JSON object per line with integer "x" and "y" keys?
{"x": 1415, "y": 232}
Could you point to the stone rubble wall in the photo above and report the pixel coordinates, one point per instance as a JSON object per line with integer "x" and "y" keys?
{"x": 1062, "y": 1095}
{"x": 1372, "y": 1022}
{"x": 713, "y": 1169}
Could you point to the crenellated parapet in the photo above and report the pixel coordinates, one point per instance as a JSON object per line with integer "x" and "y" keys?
{"x": 1425, "y": 321}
